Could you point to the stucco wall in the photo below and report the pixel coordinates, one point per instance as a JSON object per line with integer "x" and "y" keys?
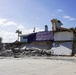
{"x": 63, "y": 36}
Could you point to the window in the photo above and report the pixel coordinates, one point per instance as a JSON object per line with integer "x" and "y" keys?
{"x": 24, "y": 37}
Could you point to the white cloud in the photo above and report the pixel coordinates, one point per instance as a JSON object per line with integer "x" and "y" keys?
{"x": 31, "y": 30}
{"x": 59, "y": 10}
{"x": 10, "y": 24}
{"x": 69, "y": 17}
{"x": 8, "y": 33}
{"x": 8, "y": 36}
{"x": 4, "y": 22}
{"x": 38, "y": 29}
{"x": 12, "y": 36}
{"x": 72, "y": 19}
{"x": 21, "y": 27}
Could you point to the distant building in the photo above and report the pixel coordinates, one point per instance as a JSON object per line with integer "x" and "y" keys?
{"x": 23, "y": 38}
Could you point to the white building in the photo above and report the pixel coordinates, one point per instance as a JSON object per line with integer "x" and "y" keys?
{"x": 63, "y": 40}
{"x": 24, "y": 38}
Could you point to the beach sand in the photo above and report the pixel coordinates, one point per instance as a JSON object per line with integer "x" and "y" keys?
{"x": 37, "y": 66}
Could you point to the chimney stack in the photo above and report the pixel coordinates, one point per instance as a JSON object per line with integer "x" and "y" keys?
{"x": 56, "y": 24}
{"x": 46, "y": 28}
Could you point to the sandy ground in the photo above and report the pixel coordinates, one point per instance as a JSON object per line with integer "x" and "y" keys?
{"x": 38, "y": 66}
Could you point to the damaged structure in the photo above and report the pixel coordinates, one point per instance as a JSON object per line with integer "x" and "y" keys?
{"x": 39, "y": 40}
{"x": 60, "y": 41}
{"x": 64, "y": 39}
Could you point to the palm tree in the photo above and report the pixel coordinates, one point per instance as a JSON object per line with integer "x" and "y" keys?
{"x": 19, "y": 32}
{"x": 0, "y": 39}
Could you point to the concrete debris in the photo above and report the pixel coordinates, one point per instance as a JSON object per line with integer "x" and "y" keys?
{"x": 6, "y": 53}
{"x": 21, "y": 53}
{"x": 21, "y": 50}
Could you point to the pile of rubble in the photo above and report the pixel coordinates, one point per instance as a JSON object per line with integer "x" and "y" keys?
{"x": 6, "y": 53}
{"x": 20, "y": 50}
{"x": 30, "y": 52}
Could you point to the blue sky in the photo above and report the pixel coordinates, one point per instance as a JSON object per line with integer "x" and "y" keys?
{"x": 27, "y": 14}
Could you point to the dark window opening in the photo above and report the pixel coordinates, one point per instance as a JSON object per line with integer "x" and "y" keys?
{"x": 24, "y": 37}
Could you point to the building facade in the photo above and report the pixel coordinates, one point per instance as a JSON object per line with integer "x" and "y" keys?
{"x": 64, "y": 43}
{"x": 61, "y": 41}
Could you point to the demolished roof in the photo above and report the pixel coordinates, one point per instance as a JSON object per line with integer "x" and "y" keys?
{"x": 65, "y": 29}
{"x": 41, "y": 36}
{"x": 44, "y": 36}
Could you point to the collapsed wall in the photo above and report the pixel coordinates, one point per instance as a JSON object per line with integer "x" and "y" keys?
{"x": 62, "y": 48}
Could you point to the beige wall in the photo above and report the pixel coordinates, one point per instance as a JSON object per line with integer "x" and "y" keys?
{"x": 63, "y": 36}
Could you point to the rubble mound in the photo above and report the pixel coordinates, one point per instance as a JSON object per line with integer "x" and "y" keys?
{"x": 30, "y": 52}
{"x": 6, "y": 53}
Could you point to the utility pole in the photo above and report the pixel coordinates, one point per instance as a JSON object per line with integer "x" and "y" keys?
{"x": 34, "y": 30}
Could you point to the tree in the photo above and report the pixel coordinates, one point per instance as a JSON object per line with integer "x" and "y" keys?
{"x": 0, "y": 39}
{"x": 19, "y": 32}
{"x": 73, "y": 28}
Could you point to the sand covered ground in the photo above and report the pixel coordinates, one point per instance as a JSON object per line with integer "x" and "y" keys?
{"x": 38, "y": 66}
